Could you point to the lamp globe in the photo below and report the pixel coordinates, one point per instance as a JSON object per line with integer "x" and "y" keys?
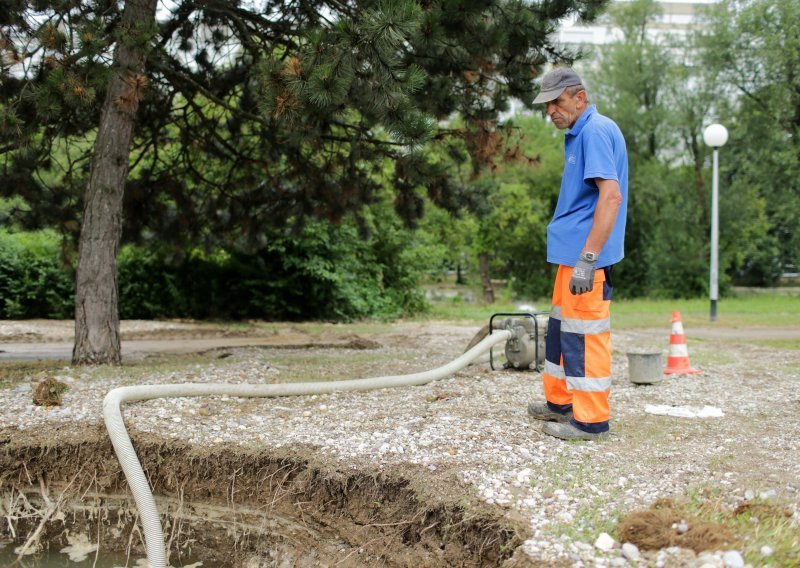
{"x": 715, "y": 135}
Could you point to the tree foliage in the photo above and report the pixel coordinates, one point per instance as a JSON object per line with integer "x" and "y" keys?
{"x": 508, "y": 224}
{"x": 663, "y": 90}
{"x": 252, "y": 118}
{"x": 249, "y": 118}
{"x": 755, "y": 45}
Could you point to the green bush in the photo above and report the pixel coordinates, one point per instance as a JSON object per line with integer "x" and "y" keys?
{"x": 33, "y": 280}
{"x": 148, "y": 285}
{"x": 322, "y": 271}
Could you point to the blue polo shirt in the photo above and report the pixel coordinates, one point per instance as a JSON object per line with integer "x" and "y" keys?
{"x": 593, "y": 148}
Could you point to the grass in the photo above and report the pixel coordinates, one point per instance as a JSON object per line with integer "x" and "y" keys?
{"x": 767, "y": 526}
{"x": 701, "y": 356}
{"x": 456, "y": 309}
{"x": 570, "y": 473}
{"x": 742, "y": 310}
{"x": 788, "y": 344}
{"x": 756, "y": 523}
{"x": 14, "y": 372}
{"x": 588, "y": 522}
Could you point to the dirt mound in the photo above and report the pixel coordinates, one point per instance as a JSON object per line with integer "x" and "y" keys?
{"x": 232, "y": 508}
{"x": 356, "y": 342}
{"x": 666, "y": 523}
{"x": 48, "y": 392}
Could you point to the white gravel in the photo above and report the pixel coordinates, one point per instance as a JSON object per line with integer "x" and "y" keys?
{"x": 473, "y": 427}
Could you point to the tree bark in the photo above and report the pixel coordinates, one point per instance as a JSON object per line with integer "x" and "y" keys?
{"x": 97, "y": 338}
{"x": 488, "y": 289}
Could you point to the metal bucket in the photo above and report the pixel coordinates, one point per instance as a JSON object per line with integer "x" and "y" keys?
{"x": 645, "y": 368}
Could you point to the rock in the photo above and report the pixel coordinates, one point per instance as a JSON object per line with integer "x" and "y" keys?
{"x": 749, "y": 494}
{"x": 766, "y": 551}
{"x": 630, "y": 551}
{"x": 604, "y": 542}
{"x": 709, "y": 560}
{"x": 767, "y": 494}
{"x": 733, "y": 559}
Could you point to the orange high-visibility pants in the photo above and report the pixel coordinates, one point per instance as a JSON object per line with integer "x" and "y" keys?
{"x": 577, "y": 369}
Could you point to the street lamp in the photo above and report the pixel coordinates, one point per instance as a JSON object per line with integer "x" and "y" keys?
{"x": 715, "y": 135}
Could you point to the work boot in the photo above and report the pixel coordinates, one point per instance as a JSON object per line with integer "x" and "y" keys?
{"x": 541, "y": 411}
{"x": 568, "y": 431}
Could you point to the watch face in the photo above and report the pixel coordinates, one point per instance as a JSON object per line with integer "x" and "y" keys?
{"x": 590, "y": 256}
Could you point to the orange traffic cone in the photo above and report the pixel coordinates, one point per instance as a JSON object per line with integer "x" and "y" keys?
{"x": 678, "y": 360}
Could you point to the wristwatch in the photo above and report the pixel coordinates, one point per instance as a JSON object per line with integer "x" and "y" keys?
{"x": 589, "y": 256}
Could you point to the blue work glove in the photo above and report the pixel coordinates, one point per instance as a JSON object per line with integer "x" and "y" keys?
{"x": 583, "y": 274}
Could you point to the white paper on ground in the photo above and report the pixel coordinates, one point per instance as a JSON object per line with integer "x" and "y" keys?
{"x": 684, "y": 411}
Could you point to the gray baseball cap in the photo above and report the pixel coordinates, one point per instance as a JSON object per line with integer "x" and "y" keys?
{"x": 555, "y": 81}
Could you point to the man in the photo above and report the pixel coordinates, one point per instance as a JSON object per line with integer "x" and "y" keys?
{"x": 585, "y": 238}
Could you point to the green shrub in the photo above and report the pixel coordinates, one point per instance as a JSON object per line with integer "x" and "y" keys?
{"x": 33, "y": 280}
{"x": 322, "y": 271}
{"x": 147, "y": 284}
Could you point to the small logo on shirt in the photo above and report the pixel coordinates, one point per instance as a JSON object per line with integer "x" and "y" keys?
{"x": 572, "y": 159}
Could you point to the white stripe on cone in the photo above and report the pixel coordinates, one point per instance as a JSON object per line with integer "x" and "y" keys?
{"x": 678, "y": 350}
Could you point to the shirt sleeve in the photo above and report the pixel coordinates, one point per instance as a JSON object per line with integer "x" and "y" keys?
{"x": 598, "y": 149}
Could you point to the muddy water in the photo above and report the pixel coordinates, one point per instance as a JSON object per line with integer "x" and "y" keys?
{"x": 55, "y": 559}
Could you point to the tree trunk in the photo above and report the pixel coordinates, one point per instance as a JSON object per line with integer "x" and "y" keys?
{"x": 488, "y": 289}
{"x": 459, "y": 274}
{"x": 96, "y": 295}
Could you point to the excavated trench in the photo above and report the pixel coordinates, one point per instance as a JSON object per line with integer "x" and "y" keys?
{"x": 233, "y": 508}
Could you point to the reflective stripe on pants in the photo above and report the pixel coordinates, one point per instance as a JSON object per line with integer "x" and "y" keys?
{"x": 577, "y": 370}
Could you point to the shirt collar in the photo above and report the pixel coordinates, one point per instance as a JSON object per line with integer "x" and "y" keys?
{"x": 581, "y": 122}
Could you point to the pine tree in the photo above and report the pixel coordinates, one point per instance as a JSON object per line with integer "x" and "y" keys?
{"x": 248, "y": 119}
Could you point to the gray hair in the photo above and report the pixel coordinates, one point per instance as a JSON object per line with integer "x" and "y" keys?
{"x": 575, "y": 89}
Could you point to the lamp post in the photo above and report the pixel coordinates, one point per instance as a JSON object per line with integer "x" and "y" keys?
{"x": 715, "y": 135}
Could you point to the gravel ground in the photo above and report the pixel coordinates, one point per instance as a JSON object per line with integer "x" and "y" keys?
{"x": 474, "y": 426}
